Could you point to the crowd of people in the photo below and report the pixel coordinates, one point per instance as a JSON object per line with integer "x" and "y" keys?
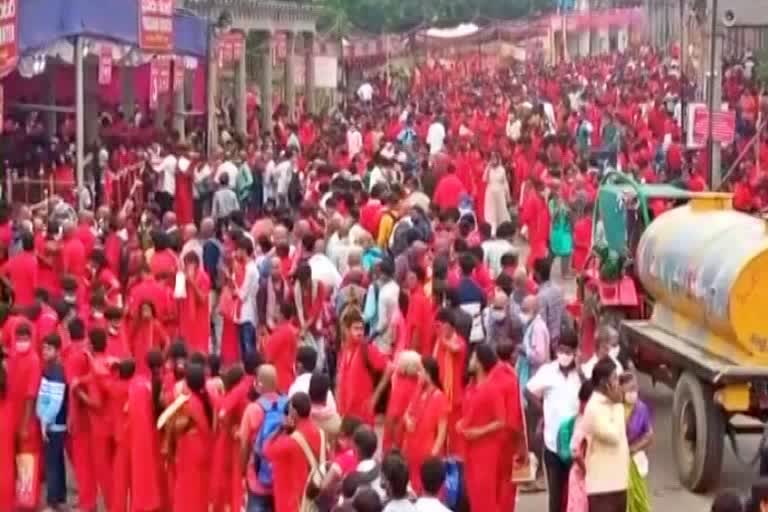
{"x": 335, "y": 315}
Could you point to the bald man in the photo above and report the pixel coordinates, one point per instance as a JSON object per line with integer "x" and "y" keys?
{"x": 191, "y": 241}
{"x": 259, "y": 496}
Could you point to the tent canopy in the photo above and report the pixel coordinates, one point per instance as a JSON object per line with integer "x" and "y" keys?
{"x": 43, "y": 22}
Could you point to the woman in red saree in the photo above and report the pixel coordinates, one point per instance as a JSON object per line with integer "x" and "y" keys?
{"x": 426, "y": 422}
{"x": 451, "y": 353}
{"x": 194, "y": 315}
{"x": 194, "y": 436}
{"x": 229, "y": 305}
{"x": 146, "y": 333}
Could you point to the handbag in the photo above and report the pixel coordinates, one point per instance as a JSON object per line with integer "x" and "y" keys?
{"x": 317, "y": 471}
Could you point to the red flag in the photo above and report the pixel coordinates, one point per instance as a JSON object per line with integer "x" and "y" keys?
{"x": 105, "y": 65}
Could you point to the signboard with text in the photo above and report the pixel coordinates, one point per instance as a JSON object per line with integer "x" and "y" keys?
{"x": 231, "y": 48}
{"x": 156, "y": 25}
{"x": 159, "y": 79}
{"x": 105, "y": 65}
{"x": 9, "y": 36}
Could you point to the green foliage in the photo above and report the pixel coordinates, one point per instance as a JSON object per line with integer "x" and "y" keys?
{"x": 380, "y": 16}
{"x": 761, "y": 70}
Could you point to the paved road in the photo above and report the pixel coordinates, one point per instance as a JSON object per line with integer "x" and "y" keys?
{"x": 667, "y": 493}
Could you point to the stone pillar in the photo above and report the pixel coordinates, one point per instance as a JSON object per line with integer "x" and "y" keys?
{"x": 211, "y": 72}
{"x": 50, "y": 96}
{"x": 266, "y": 83}
{"x": 162, "y": 110}
{"x": 309, "y": 72}
{"x": 91, "y": 89}
{"x": 290, "y": 74}
{"x": 241, "y": 107}
{"x": 127, "y": 88}
{"x": 179, "y": 104}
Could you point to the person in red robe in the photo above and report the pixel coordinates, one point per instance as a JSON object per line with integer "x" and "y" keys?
{"x": 73, "y": 256}
{"x": 355, "y": 382}
{"x": 226, "y": 461}
{"x": 419, "y": 327}
{"x": 514, "y": 449}
{"x": 451, "y": 354}
{"x": 149, "y": 289}
{"x": 482, "y": 426}
{"x": 426, "y": 422}
{"x": 25, "y": 373}
{"x": 118, "y": 346}
{"x": 582, "y": 239}
{"x": 281, "y": 345}
{"x": 404, "y": 378}
{"x": 290, "y": 467}
{"x": 86, "y": 231}
{"x": 449, "y": 190}
{"x": 20, "y": 272}
{"x": 104, "y": 279}
{"x": 534, "y": 215}
{"x": 146, "y": 333}
{"x": 7, "y": 440}
{"x": 164, "y": 262}
{"x": 77, "y": 369}
{"x": 194, "y": 436}
{"x": 183, "y": 201}
{"x": 194, "y": 315}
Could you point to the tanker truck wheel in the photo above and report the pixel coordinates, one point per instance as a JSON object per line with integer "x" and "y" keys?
{"x": 698, "y": 430}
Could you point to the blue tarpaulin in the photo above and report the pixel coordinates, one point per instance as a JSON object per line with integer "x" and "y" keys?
{"x": 43, "y": 22}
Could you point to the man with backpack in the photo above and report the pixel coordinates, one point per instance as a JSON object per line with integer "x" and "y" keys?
{"x": 298, "y": 455}
{"x": 262, "y": 420}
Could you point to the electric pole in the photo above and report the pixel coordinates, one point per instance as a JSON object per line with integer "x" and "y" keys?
{"x": 714, "y": 93}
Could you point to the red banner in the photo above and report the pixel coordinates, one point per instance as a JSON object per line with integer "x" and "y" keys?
{"x": 231, "y": 48}
{"x": 178, "y": 74}
{"x": 105, "y": 65}
{"x": 9, "y": 36}
{"x": 156, "y": 25}
{"x": 159, "y": 79}
{"x": 723, "y": 126}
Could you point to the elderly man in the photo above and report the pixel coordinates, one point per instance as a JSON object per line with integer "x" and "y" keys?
{"x": 191, "y": 242}
{"x": 607, "y": 346}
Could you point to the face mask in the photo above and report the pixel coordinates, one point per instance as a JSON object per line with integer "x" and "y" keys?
{"x": 614, "y": 352}
{"x": 631, "y": 397}
{"x": 565, "y": 360}
{"x": 498, "y": 315}
{"x": 23, "y": 346}
{"x": 525, "y": 317}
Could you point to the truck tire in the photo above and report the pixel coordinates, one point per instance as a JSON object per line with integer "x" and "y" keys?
{"x": 698, "y": 432}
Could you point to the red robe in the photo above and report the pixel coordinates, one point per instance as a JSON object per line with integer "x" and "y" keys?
{"x": 194, "y": 317}
{"x": 77, "y": 367}
{"x": 25, "y": 373}
{"x": 582, "y": 241}
{"x": 355, "y": 383}
{"x": 7, "y": 453}
{"x": 419, "y": 321}
{"x": 290, "y": 468}
{"x": 21, "y": 270}
{"x": 484, "y": 404}
{"x": 279, "y": 350}
{"x": 183, "y": 201}
{"x": 452, "y": 364}
{"x": 144, "y": 446}
{"x": 426, "y": 411}
{"x": 535, "y": 215}
{"x": 146, "y": 335}
{"x": 192, "y": 464}
{"x": 403, "y": 391}
{"x": 102, "y": 438}
{"x": 504, "y": 376}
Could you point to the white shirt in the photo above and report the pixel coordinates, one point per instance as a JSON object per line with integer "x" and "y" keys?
{"x": 325, "y": 271}
{"x": 435, "y": 137}
{"x": 301, "y": 385}
{"x": 493, "y": 250}
{"x": 247, "y": 293}
{"x": 354, "y": 142}
{"x": 365, "y": 92}
{"x": 400, "y": 506}
{"x": 230, "y": 169}
{"x": 167, "y": 169}
{"x": 588, "y": 367}
{"x": 428, "y": 504}
{"x": 560, "y": 394}
{"x": 284, "y": 173}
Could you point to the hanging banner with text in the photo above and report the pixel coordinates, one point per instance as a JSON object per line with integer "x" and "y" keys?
{"x": 159, "y": 79}
{"x": 9, "y": 36}
{"x": 105, "y": 65}
{"x": 156, "y": 25}
{"x": 231, "y": 48}
{"x": 723, "y": 125}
